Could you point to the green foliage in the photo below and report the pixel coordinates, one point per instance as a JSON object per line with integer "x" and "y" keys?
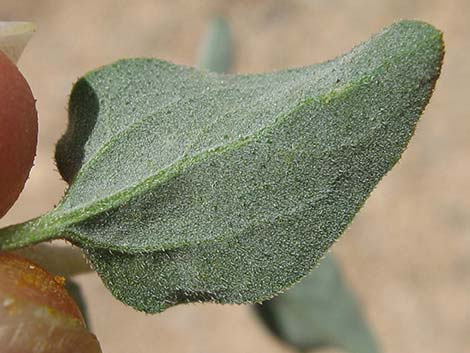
{"x": 194, "y": 186}
{"x": 216, "y": 50}
{"x": 319, "y": 311}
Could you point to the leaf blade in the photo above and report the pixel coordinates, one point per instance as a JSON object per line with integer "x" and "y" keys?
{"x": 234, "y": 196}
{"x": 174, "y": 167}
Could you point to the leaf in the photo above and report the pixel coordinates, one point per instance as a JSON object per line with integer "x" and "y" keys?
{"x": 14, "y": 36}
{"x": 216, "y": 50}
{"x": 319, "y": 311}
{"x": 194, "y": 186}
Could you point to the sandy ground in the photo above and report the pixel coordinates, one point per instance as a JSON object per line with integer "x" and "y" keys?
{"x": 407, "y": 254}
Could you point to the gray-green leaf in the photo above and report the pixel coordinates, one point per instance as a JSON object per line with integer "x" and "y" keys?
{"x": 216, "y": 49}
{"x": 195, "y": 186}
{"x": 319, "y": 311}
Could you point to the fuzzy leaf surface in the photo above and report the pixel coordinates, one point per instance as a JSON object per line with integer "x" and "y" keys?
{"x": 187, "y": 185}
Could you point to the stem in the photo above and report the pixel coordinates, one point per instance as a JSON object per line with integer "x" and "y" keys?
{"x": 28, "y": 233}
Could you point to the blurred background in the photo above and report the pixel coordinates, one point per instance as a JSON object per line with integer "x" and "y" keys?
{"x": 406, "y": 255}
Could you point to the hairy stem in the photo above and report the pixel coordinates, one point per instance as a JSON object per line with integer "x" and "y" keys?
{"x": 28, "y": 233}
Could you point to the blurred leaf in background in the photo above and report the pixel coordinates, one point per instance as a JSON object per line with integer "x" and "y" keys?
{"x": 319, "y": 311}
{"x": 216, "y": 53}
